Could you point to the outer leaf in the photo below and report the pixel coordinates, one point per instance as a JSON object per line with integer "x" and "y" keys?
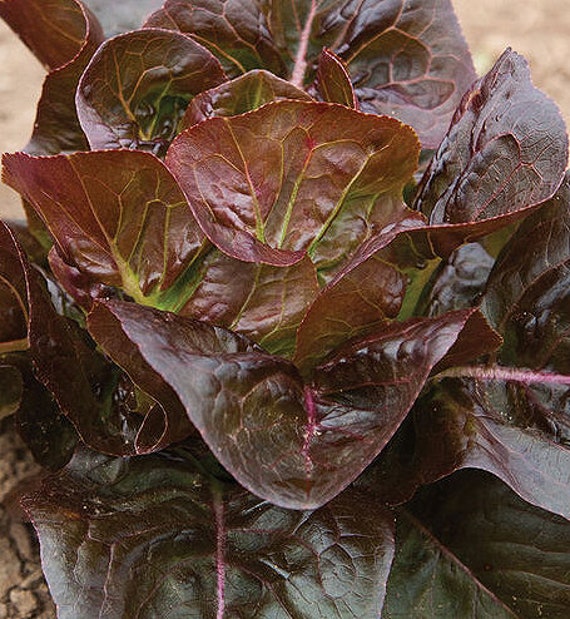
{"x": 506, "y": 150}
{"x": 514, "y": 549}
{"x": 428, "y": 581}
{"x": 138, "y": 538}
{"x": 242, "y": 94}
{"x": 64, "y": 36}
{"x": 117, "y": 17}
{"x": 407, "y": 60}
{"x": 262, "y": 302}
{"x": 13, "y": 295}
{"x": 234, "y": 30}
{"x": 333, "y": 81}
{"x": 270, "y": 185}
{"x": 117, "y": 216}
{"x": 11, "y": 390}
{"x": 513, "y": 421}
{"x": 139, "y": 102}
{"x": 292, "y": 444}
{"x": 54, "y": 30}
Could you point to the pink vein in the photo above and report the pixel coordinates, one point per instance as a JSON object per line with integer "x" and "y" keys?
{"x": 310, "y": 429}
{"x": 300, "y": 67}
{"x": 220, "y": 547}
{"x": 519, "y": 375}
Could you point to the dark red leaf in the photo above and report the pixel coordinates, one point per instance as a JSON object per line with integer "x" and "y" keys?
{"x": 333, "y": 81}
{"x": 506, "y": 150}
{"x": 117, "y": 216}
{"x": 64, "y": 35}
{"x": 296, "y": 445}
{"x": 151, "y": 535}
{"x": 139, "y": 103}
{"x": 234, "y": 30}
{"x": 263, "y": 302}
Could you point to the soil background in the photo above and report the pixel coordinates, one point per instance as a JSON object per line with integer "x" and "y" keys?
{"x": 540, "y": 30}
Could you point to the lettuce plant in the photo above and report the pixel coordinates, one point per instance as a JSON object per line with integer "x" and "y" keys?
{"x": 288, "y": 325}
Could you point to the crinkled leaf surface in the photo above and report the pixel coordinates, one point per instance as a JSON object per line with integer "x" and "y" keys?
{"x": 236, "y": 31}
{"x": 506, "y": 150}
{"x": 242, "y": 94}
{"x": 149, "y": 536}
{"x": 406, "y": 60}
{"x": 496, "y": 540}
{"x": 138, "y": 85}
{"x": 263, "y": 302}
{"x": 117, "y": 17}
{"x": 333, "y": 81}
{"x": 292, "y": 176}
{"x": 64, "y": 36}
{"x": 296, "y": 445}
{"x": 118, "y": 216}
{"x": 511, "y": 417}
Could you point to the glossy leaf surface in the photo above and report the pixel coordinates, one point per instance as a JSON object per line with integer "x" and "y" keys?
{"x": 296, "y": 445}
{"x": 405, "y": 60}
{"x": 333, "y": 81}
{"x": 138, "y": 103}
{"x": 117, "y": 216}
{"x": 270, "y": 185}
{"x": 236, "y": 31}
{"x": 240, "y": 95}
{"x": 514, "y": 550}
{"x": 154, "y": 534}
{"x": 263, "y": 302}
{"x": 506, "y": 150}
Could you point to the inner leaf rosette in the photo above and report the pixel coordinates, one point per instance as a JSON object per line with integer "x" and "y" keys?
{"x": 292, "y": 178}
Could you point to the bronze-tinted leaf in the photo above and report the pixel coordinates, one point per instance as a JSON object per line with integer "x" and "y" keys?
{"x": 296, "y": 445}
{"x": 64, "y": 35}
{"x": 506, "y": 150}
{"x": 139, "y": 537}
{"x": 242, "y": 94}
{"x": 333, "y": 81}
{"x": 117, "y": 216}
{"x": 293, "y": 177}
{"x": 139, "y": 102}
{"x": 236, "y": 31}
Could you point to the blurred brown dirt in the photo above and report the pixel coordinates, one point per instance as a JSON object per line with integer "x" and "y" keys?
{"x": 538, "y": 30}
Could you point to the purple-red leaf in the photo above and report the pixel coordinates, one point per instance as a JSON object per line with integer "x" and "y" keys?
{"x": 333, "y": 81}
{"x": 506, "y": 150}
{"x": 273, "y": 184}
{"x": 137, "y": 87}
{"x": 240, "y": 95}
{"x": 234, "y": 30}
{"x": 296, "y": 445}
{"x": 117, "y": 216}
{"x": 141, "y": 537}
{"x": 355, "y": 304}
{"x": 13, "y": 294}
{"x": 64, "y": 35}
{"x": 405, "y": 60}
{"x": 263, "y": 302}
